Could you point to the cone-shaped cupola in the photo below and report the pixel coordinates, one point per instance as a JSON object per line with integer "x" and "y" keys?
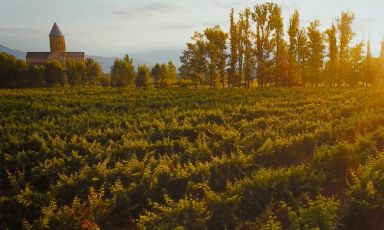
{"x": 55, "y": 31}
{"x": 56, "y": 39}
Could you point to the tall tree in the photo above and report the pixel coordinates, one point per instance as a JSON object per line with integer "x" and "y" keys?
{"x": 293, "y": 57}
{"x": 368, "y": 73}
{"x": 316, "y": 52}
{"x": 234, "y": 50}
{"x": 216, "y": 43}
{"x": 93, "y": 72}
{"x": 263, "y": 43}
{"x": 172, "y": 74}
{"x": 344, "y": 26}
{"x": 164, "y": 75}
{"x": 123, "y": 72}
{"x": 143, "y": 78}
{"x": 194, "y": 63}
{"x": 302, "y": 55}
{"x": 356, "y": 61}
{"x": 381, "y": 62}
{"x": 240, "y": 45}
{"x": 157, "y": 74}
{"x": 279, "y": 44}
{"x": 332, "y": 64}
{"x": 249, "y": 60}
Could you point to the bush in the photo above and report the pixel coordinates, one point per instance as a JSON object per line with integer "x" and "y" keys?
{"x": 336, "y": 162}
{"x": 320, "y": 213}
{"x": 364, "y": 206}
{"x": 184, "y": 214}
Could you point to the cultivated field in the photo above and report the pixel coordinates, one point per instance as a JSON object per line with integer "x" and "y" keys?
{"x": 250, "y": 159}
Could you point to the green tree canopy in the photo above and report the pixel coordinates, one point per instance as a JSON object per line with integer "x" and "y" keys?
{"x": 143, "y": 78}
{"x": 54, "y": 74}
{"x": 123, "y": 72}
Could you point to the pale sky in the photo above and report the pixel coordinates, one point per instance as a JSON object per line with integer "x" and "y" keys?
{"x": 114, "y": 27}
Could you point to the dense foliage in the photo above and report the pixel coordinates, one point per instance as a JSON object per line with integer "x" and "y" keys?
{"x": 107, "y": 158}
{"x": 258, "y": 49}
{"x": 15, "y": 73}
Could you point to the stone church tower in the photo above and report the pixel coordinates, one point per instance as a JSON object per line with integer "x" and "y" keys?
{"x": 56, "y": 39}
{"x": 58, "y": 51}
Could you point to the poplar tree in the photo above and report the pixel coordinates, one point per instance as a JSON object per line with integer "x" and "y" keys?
{"x": 302, "y": 55}
{"x": 249, "y": 62}
{"x": 381, "y": 60}
{"x": 356, "y": 59}
{"x": 263, "y": 43}
{"x": 293, "y": 57}
{"x": 163, "y": 81}
{"x": 172, "y": 75}
{"x": 240, "y": 44}
{"x": 277, "y": 25}
{"x": 234, "y": 50}
{"x": 216, "y": 45}
{"x": 345, "y": 34}
{"x": 332, "y": 73}
{"x": 316, "y": 52}
{"x": 157, "y": 74}
{"x": 369, "y": 75}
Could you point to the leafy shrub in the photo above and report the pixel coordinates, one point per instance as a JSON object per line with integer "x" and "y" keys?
{"x": 364, "y": 206}
{"x": 184, "y": 214}
{"x": 336, "y": 162}
{"x": 110, "y": 158}
{"x": 320, "y": 213}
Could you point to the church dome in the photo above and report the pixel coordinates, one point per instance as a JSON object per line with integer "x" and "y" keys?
{"x": 55, "y": 31}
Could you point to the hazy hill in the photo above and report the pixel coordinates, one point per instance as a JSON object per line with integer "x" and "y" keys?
{"x": 148, "y": 57}
{"x": 17, "y": 53}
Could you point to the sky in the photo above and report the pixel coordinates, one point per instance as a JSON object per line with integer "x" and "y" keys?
{"x": 115, "y": 27}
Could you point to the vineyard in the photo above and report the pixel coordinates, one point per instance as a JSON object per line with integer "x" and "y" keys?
{"x": 273, "y": 158}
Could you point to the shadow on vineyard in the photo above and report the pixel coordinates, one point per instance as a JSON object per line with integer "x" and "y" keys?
{"x": 89, "y": 158}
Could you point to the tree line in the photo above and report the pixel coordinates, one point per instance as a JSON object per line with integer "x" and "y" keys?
{"x": 123, "y": 74}
{"x": 15, "y": 73}
{"x": 255, "y": 51}
{"x": 256, "y": 48}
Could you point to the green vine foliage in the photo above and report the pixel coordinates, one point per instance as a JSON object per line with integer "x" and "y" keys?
{"x": 265, "y": 158}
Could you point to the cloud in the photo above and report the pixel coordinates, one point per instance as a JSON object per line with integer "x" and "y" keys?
{"x": 289, "y": 7}
{"x": 222, "y": 4}
{"x": 149, "y": 9}
{"x": 21, "y": 31}
{"x": 178, "y": 26}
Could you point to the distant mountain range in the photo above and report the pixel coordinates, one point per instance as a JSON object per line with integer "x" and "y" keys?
{"x": 17, "y": 53}
{"x": 149, "y": 58}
